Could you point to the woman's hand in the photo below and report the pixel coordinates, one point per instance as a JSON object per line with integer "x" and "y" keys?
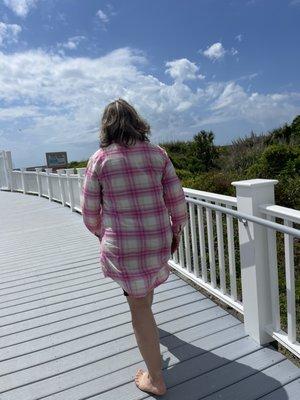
{"x": 175, "y": 243}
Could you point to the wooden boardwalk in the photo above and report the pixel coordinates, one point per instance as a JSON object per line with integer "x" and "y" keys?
{"x": 66, "y": 331}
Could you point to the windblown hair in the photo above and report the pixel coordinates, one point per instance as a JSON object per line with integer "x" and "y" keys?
{"x": 122, "y": 124}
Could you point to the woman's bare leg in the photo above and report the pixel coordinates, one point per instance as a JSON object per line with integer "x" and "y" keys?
{"x": 151, "y": 297}
{"x": 147, "y": 338}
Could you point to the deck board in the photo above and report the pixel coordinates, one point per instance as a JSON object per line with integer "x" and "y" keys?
{"x": 66, "y": 330}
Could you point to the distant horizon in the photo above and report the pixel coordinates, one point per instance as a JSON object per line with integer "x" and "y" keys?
{"x": 162, "y": 142}
{"x": 231, "y": 67}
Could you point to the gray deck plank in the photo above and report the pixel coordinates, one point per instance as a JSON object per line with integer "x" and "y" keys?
{"x": 291, "y": 391}
{"x": 257, "y": 384}
{"x": 66, "y": 333}
{"x": 122, "y": 365}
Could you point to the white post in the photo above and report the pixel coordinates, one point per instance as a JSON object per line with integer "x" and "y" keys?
{"x": 3, "y": 167}
{"x": 60, "y": 173}
{"x": 256, "y": 290}
{"x": 8, "y": 167}
{"x": 23, "y": 169}
{"x": 38, "y": 179}
{"x": 48, "y": 170}
{"x": 9, "y": 159}
{"x": 70, "y": 188}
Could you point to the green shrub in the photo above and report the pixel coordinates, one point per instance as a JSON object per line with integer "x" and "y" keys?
{"x": 78, "y": 164}
{"x": 184, "y": 174}
{"x": 274, "y": 160}
{"x": 213, "y": 181}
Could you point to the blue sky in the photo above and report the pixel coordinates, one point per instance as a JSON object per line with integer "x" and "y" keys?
{"x": 230, "y": 66}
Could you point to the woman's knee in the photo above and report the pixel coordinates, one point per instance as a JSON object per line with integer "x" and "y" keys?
{"x": 139, "y": 304}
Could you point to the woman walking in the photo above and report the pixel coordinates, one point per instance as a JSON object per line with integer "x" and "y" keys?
{"x": 129, "y": 193}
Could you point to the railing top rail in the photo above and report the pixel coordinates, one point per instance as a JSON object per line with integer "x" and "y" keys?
{"x": 281, "y": 212}
{"x": 27, "y": 172}
{"x": 241, "y": 216}
{"x": 221, "y": 198}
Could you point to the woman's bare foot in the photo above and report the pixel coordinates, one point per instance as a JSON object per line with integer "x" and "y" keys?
{"x": 144, "y": 382}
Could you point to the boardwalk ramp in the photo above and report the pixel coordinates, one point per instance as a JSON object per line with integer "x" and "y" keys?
{"x": 66, "y": 330}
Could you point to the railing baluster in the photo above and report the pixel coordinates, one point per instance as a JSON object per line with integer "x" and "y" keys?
{"x": 175, "y": 256}
{"x": 194, "y": 239}
{"x": 61, "y": 176}
{"x": 38, "y": 180}
{"x": 81, "y": 174}
{"x": 181, "y": 256}
{"x": 23, "y": 180}
{"x": 202, "y": 243}
{"x": 44, "y": 182}
{"x": 14, "y": 178}
{"x": 274, "y": 286}
{"x": 187, "y": 248}
{"x": 231, "y": 255}
{"x": 48, "y": 171}
{"x": 220, "y": 240}
{"x": 8, "y": 168}
{"x": 70, "y": 187}
{"x": 290, "y": 282}
{"x": 211, "y": 248}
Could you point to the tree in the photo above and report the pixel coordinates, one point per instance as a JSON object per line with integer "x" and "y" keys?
{"x": 295, "y": 126}
{"x": 204, "y": 149}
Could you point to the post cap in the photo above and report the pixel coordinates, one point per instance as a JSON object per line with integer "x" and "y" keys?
{"x": 255, "y": 182}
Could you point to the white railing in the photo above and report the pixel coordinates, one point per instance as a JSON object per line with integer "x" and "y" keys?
{"x": 259, "y": 301}
{"x": 237, "y": 265}
{"x": 5, "y": 167}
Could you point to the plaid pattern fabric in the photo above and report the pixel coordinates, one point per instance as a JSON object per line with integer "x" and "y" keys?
{"x": 127, "y": 199}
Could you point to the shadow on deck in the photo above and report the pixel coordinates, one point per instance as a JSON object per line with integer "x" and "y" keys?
{"x": 66, "y": 330}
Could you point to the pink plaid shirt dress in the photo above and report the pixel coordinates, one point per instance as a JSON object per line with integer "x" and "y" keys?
{"x": 127, "y": 199}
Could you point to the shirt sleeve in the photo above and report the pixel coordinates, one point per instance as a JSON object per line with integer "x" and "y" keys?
{"x": 91, "y": 198}
{"x": 174, "y": 197}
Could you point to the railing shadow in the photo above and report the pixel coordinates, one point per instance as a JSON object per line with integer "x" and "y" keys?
{"x": 200, "y": 374}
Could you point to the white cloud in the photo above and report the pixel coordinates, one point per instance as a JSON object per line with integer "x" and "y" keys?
{"x": 102, "y": 16}
{"x": 239, "y": 37}
{"x": 20, "y": 7}
{"x": 215, "y": 51}
{"x": 54, "y": 101}
{"x": 294, "y": 2}
{"x": 11, "y": 113}
{"x": 228, "y": 96}
{"x": 72, "y": 43}
{"x": 183, "y": 69}
{"x": 248, "y": 76}
{"x": 230, "y": 100}
{"x": 9, "y": 33}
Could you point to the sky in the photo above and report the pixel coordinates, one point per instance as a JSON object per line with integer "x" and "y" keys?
{"x": 230, "y": 66}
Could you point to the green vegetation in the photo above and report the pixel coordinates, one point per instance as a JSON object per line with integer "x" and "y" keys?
{"x": 275, "y": 155}
{"x": 77, "y": 164}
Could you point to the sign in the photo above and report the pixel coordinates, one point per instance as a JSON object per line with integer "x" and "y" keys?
{"x": 57, "y": 159}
